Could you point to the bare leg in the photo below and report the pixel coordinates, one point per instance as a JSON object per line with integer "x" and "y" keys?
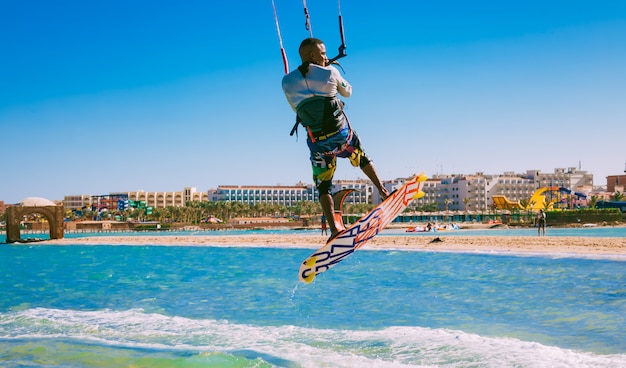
{"x": 371, "y": 173}
{"x": 326, "y": 200}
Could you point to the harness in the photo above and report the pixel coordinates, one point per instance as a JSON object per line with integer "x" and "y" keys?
{"x": 321, "y": 116}
{"x": 333, "y": 118}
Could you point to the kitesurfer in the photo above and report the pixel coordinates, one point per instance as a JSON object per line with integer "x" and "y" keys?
{"x": 311, "y": 90}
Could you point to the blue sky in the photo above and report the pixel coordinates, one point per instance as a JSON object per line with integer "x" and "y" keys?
{"x": 99, "y": 97}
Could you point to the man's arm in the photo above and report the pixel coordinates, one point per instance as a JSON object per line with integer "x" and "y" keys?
{"x": 343, "y": 87}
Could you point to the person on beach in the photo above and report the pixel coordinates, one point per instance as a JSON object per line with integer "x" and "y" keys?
{"x": 311, "y": 91}
{"x": 324, "y": 227}
{"x": 541, "y": 223}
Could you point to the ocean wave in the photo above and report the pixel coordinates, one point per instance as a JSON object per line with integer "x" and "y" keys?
{"x": 116, "y": 333}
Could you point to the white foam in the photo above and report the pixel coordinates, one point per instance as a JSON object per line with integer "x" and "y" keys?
{"x": 390, "y": 347}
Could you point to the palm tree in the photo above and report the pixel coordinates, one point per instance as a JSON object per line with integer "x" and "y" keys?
{"x": 222, "y": 210}
{"x": 358, "y": 208}
{"x": 238, "y": 209}
{"x": 524, "y": 202}
{"x": 157, "y": 214}
{"x": 618, "y": 196}
{"x": 446, "y": 203}
{"x": 298, "y": 208}
{"x": 313, "y": 208}
{"x": 465, "y": 202}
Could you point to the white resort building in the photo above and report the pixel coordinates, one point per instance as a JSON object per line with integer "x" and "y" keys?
{"x": 454, "y": 192}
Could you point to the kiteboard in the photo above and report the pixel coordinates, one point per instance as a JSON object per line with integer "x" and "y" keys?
{"x": 358, "y": 234}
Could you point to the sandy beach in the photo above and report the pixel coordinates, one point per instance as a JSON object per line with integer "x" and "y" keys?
{"x": 487, "y": 244}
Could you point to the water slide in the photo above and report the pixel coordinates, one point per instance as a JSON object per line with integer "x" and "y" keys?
{"x": 503, "y": 203}
{"x": 536, "y": 202}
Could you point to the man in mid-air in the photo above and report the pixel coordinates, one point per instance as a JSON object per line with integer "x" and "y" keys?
{"x": 311, "y": 90}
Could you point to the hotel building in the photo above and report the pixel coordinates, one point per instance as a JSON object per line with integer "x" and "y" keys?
{"x": 290, "y": 195}
{"x": 149, "y": 199}
{"x": 255, "y": 194}
{"x": 458, "y": 192}
{"x": 474, "y": 192}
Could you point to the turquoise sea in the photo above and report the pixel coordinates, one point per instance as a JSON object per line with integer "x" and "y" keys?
{"x": 217, "y": 306}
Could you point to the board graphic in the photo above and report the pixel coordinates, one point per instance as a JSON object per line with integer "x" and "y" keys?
{"x": 359, "y": 233}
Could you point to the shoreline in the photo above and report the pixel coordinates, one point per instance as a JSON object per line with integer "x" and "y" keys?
{"x": 586, "y": 246}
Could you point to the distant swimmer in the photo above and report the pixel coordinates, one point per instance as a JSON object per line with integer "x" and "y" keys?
{"x": 541, "y": 223}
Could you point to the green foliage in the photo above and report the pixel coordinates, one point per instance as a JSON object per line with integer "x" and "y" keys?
{"x": 429, "y": 207}
{"x": 584, "y": 215}
{"x": 151, "y": 227}
{"x": 358, "y": 208}
{"x": 524, "y": 202}
{"x": 194, "y": 212}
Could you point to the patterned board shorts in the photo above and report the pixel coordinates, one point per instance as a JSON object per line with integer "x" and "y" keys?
{"x": 345, "y": 143}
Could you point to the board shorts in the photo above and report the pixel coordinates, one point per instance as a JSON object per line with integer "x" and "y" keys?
{"x": 324, "y": 152}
